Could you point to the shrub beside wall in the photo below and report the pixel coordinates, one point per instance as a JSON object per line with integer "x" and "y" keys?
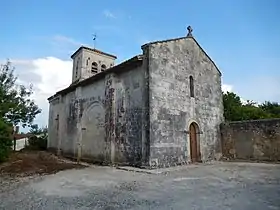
{"x": 37, "y": 143}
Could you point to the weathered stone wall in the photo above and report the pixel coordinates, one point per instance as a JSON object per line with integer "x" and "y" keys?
{"x": 90, "y": 111}
{"x": 129, "y": 110}
{"x": 251, "y": 140}
{"x": 53, "y": 124}
{"x": 104, "y": 119}
{"x": 172, "y": 109}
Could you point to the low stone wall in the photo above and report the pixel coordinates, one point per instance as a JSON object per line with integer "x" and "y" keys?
{"x": 251, "y": 140}
{"x": 20, "y": 144}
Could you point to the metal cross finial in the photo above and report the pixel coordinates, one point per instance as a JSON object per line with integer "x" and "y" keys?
{"x": 189, "y": 31}
{"x": 94, "y": 40}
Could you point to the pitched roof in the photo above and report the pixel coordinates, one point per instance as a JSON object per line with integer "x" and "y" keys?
{"x": 124, "y": 66}
{"x": 18, "y": 136}
{"x": 180, "y": 38}
{"x": 93, "y": 50}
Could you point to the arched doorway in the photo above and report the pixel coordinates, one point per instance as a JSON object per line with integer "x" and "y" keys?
{"x": 93, "y": 132}
{"x": 194, "y": 142}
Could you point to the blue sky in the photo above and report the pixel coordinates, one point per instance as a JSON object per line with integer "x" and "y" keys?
{"x": 242, "y": 37}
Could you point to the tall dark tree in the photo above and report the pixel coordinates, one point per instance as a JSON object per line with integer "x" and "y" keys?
{"x": 16, "y": 107}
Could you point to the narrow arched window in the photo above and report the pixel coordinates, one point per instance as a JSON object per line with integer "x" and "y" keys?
{"x": 103, "y": 67}
{"x": 76, "y": 71}
{"x": 191, "y": 87}
{"x": 94, "y": 67}
{"x": 77, "y": 67}
{"x": 88, "y": 61}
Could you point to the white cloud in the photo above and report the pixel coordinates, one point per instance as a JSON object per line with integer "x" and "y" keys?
{"x": 55, "y": 74}
{"x": 227, "y": 88}
{"x": 47, "y": 75}
{"x": 109, "y": 14}
{"x": 65, "y": 45}
{"x": 65, "y": 40}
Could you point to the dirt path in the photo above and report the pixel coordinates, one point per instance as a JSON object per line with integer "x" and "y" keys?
{"x": 28, "y": 165}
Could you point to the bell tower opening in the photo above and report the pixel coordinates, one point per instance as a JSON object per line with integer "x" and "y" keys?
{"x": 89, "y": 61}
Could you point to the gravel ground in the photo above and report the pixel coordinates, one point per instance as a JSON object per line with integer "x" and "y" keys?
{"x": 216, "y": 186}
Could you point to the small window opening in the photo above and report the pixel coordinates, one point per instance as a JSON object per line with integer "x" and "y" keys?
{"x": 191, "y": 87}
{"x": 76, "y": 71}
{"x": 94, "y": 67}
{"x": 88, "y": 61}
{"x": 77, "y": 67}
{"x": 103, "y": 67}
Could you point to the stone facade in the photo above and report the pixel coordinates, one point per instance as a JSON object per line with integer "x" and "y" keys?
{"x": 173, "y": 109}
{"x": 140, "y": 111}
{"x": 251, "y": 140}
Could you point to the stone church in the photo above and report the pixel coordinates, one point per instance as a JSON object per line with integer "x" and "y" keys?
{"x": 157, "y": 109}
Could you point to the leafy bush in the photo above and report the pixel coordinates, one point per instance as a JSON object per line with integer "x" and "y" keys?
{"x": 6, "y": 142}
{"x": 235, "y": 110}
{"x": 39, "y": 138}
{"x": 37, "y": 143}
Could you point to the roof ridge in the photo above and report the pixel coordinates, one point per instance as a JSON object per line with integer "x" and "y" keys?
{"x": 94, "y": 50}
{"x": 116, "y": 68}
{"x": 162, "y": 41}
{"x": 189, "y": 36}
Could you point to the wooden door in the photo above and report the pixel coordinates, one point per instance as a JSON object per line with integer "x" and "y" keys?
{"x": 193, "y": 143}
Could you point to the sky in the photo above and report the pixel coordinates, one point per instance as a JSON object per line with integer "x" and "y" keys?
{"x": 242, "y": 37}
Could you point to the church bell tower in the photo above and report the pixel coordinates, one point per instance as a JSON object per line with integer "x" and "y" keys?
{"x": 89, "y": 61}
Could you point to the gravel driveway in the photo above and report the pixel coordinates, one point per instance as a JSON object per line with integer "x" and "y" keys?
{"x": 218, "y": 186}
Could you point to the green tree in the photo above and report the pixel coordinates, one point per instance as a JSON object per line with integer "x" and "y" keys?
{"x": 5, "y": 140}
{"x": 16, "y": 107}
{"x": 34, "y": 129}
{"x": 39, "y": 139}
{"x": 253, "y": 112}
{"x": 272, "y": 108}
{"x": 234, "y": 110}
{"x": 232, "y": 106}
